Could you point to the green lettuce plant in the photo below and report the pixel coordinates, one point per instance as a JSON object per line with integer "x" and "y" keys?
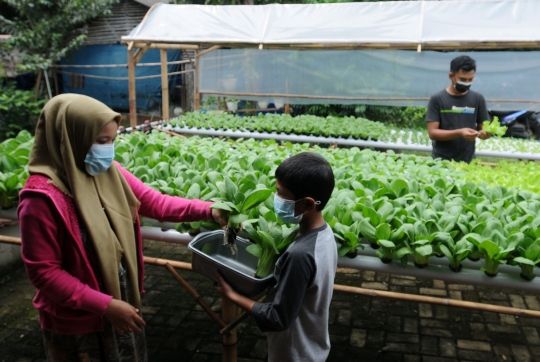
{"x": 238, "y": 201}
{"x": 271, "y": 240}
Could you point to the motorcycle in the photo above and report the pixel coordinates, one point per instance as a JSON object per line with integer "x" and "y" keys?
{"x": 520, "y": 124}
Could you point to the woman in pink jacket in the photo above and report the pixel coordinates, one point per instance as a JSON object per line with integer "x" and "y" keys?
{"x": 81, "y": 238}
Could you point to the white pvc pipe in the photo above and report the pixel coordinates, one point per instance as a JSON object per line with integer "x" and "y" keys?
{"x": 439, "y": 272}
{"x": 337, "y": 140}
{"x": 168, "y": 236}
{"x": 467, "y": 263}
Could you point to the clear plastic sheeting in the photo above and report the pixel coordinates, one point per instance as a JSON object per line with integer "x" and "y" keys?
{"x": 508, "y": 80}
{"x": 392, "y": 22}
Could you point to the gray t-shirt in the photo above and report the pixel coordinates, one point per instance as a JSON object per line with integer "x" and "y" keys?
{"x": 454, "y": 112}
{"x": 297, "y": 309}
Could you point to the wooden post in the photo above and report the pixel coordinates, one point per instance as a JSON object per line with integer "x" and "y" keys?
{"x": 38, "y": 85}
{"x": 196, "y": 94}
{"x": 287, "y": 109}
{"x": 228, "y": 310}
{"x": 131, "y": 88}
{"x": 164, "y": 85}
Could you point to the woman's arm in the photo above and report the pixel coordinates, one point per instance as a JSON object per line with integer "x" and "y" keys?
{"x": 41, "y": 251}
{"x": 164, "y": 207}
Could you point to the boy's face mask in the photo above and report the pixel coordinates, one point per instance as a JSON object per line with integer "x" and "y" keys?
{"x": 99, "y": 159}
{"x": 285, "y": 210}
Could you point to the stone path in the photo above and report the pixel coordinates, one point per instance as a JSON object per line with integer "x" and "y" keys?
{"x": 362, "y": 328}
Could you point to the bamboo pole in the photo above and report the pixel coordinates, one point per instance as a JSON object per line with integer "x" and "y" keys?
{"x": 168, "y": 46}
{"x": 230, "y": 340}
{"x": 10, "y": 240}
{"x": 359, "y": 46}
{"x": 439, "y": 301}
{"x": 247, "y": 94}
{"x": 239, "y": 319}
{"x": 131, "y": 89}
{"x": 206, "y": 51}
{"x": 139, "y": 54}
{"x": 38, "y": 85}
{"x": 196, "y": 94}
{"x": 164, "y": 85}
{"x": 195, "y": 296}
{"x": 231, "y": 310}
{"x": 162, "y": 262}
{"x": 170, "y": 133}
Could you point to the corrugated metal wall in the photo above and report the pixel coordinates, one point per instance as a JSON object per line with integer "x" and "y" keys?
{"x": 127, "y": 14}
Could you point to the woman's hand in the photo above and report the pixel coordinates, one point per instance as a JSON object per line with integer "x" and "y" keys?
{"x": 221, "y": 217}
{"x": 124, "y": 317}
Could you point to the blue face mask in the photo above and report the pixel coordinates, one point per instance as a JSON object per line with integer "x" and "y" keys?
{"x": 99, "y": 159}
{"x": 285, "y": 210}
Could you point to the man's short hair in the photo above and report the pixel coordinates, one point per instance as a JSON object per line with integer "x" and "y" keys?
{"x": 464, "y": 63}
{"x": 307, "y": 174}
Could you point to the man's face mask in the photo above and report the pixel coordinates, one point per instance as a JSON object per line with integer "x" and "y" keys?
{"x": 462, "y": 87}
{"x": 285, "y": 210}
{"x": 99, "y": 159}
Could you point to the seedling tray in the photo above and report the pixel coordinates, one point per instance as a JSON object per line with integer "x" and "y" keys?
{"x": 210, "y": 255}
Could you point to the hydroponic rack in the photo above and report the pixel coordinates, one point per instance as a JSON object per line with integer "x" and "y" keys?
{"x": 340, "y": 141}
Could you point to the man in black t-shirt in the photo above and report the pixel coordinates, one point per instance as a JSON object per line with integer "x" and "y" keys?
{"x": 455, "y": 114}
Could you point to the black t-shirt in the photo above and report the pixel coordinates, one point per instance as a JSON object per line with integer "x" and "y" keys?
{"x": 454, "y": 112}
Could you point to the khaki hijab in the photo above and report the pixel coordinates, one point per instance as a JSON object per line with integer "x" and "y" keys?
{"x": 66, "y": 129}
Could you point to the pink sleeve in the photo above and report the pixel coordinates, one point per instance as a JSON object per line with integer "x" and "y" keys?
{"x": 164, "y": 207}
{"x": 41, "y": 235}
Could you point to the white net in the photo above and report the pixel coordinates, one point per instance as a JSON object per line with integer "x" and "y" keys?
{"x": 509, "y": 80}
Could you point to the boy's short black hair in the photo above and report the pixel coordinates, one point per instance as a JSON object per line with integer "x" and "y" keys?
{"x": 462, "y": 62}
{"x": 307, "y": 174}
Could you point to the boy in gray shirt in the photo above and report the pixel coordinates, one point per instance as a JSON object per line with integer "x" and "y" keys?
{"x": 295, "y": 313}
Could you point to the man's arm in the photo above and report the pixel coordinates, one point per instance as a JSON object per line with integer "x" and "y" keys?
{"x": 437, "y": 134}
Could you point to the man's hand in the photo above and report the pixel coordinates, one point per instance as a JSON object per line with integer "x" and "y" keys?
{"x": 469, "y": 134}
{"x": 124, "y": 317}
{"x": 483, "y": 135}
{"x": 221, "y": 217}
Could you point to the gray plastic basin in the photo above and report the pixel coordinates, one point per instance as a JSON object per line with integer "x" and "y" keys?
{"x": 238, "y": 270}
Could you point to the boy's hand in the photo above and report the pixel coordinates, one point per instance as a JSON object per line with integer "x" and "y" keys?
{"x": 222, "y": 287}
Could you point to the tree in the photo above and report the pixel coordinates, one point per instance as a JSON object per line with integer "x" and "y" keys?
{"x": 44, "y": 31}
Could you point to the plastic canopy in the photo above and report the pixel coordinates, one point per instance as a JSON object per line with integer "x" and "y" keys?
{"x": 393, "y": 22}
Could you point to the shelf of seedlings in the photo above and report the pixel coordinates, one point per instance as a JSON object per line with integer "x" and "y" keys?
{"x": 340, "y": 131}
{"x": 424, "y": 216}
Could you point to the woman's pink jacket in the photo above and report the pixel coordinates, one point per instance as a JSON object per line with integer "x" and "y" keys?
{"x": 68, "y": 297}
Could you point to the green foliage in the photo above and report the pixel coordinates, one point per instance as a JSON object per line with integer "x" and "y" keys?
{"x": 18, "y": 111}
{"x": 522, "y": 175}
{"x": 494, "y": 127}
{"x": 304, "y": 124}
{"x": 44, "y": 31}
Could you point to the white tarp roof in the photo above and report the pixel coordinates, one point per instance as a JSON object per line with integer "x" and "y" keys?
{"x": 393, "y": 22}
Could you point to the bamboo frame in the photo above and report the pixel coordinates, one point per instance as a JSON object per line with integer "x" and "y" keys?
{"x": 132, "y": 89}
{"x": 164, "y": 85}
{"x": 139, "y": 54}
{"x": 171, "y": 264}
{"x": 167, "y": 46}
{"x": 289, "y": 95}
{"x": 196, "y": 94}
